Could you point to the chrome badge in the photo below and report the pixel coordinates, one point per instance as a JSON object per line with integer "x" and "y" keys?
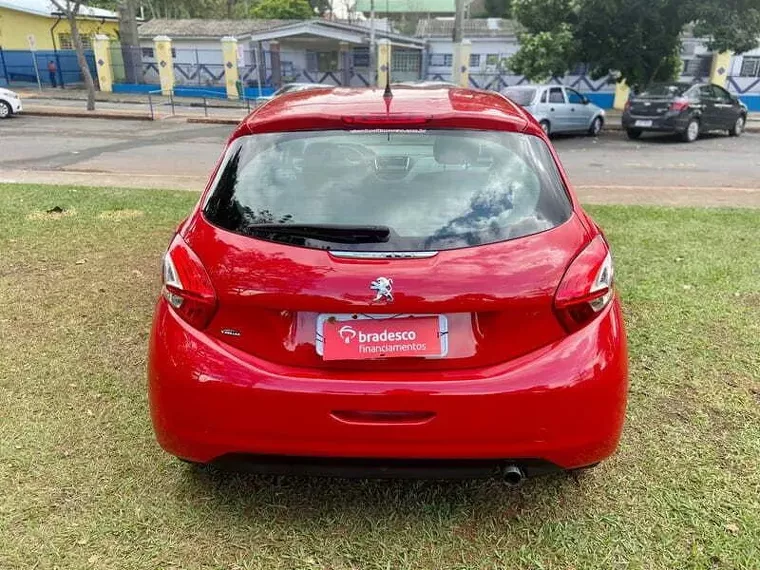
{"x": 383, "y": 288}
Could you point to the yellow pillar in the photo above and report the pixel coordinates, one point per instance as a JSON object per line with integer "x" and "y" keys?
{"x": 102, "y": 48}
{"x": 230, "y": 57}
{"x": 460, "y": 72}
{"x": 163, "y": 48}
{"x": 383, "y": 62}
{"x": 622, "y": 91}
{"x": 721, "y": 63}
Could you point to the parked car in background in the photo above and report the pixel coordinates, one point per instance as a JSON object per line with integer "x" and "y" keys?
{"x": 558, "y": 109}
{"x": 686, "y": 109}
{"x": 293, "y": 88}
{"x": 10, "y": 103}
{"x": 388, "y": 285}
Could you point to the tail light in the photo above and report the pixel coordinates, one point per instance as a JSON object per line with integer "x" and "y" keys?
{"x": 679, "y": 105}
{"x": 627, "y": 106}
{"x": 187, "y": 286}
{"x": 586, "y": 287}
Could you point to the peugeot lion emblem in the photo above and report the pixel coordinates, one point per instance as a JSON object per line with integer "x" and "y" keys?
{"x": 383, "y": 288}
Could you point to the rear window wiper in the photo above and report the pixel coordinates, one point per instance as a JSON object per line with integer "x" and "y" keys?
{"x": 336, "y": 233}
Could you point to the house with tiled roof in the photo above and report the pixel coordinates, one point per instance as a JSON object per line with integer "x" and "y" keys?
{"x": 309, "y": 50}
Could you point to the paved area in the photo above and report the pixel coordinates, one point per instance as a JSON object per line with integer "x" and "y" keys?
{"x": 171, "y": 153}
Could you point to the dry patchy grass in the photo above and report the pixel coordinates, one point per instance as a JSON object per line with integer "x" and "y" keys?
{"x": 85, "y": 486}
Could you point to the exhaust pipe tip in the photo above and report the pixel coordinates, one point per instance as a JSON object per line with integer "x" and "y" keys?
{"x": 513, "y": 475}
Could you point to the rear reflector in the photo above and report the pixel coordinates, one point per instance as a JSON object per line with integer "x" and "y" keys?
{"x": 587, "y": 286}
{"x": 187, "y": 286}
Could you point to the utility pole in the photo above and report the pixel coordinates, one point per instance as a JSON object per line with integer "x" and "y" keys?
{"x": 460, "y": 61}
{"x": 456, "y": 36}
{"x": 372, "y": 43}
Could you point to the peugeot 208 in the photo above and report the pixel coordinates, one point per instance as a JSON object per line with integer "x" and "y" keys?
{"x": 389, "y": 283}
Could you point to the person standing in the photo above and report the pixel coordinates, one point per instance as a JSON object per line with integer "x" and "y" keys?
{"x": 53, "y": 73}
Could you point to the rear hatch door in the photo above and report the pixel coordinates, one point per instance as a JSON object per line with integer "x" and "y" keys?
{"x": 474, "y": 228}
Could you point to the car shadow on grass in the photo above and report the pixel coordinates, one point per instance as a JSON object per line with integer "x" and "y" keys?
{"x": 244, "y": 495}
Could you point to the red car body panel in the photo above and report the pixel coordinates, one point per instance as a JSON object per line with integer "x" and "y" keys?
{"x": 272, "y": 295}
{"x": 516, "y": 384}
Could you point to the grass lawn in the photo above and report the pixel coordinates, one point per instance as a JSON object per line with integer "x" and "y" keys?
{"x": 84, "y": 485}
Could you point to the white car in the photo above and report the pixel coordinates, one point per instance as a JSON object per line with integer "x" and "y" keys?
{"x": 10, "y": 103}
{"x": 292, "y": 88}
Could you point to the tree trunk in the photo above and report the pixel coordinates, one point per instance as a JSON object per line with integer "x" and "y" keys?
{"x": 130, "y": 45}
{"x": 83, "y": 67}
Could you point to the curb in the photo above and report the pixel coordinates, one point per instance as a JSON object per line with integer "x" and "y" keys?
{"x": 214, "y": 121}
{"x": 86, "y": 115}
{"x": 748, "y": 128}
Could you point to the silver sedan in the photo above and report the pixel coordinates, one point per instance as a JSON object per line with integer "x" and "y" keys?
{"x": 558, "y": 109}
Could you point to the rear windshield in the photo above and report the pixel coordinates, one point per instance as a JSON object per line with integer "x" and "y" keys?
{"x": 521, "y": 96}
{"x": 664, "y": 90}
{"x": 388, "y": 190}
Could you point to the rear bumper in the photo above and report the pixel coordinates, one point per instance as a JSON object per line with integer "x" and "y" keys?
{"x": 663, "y": 123}
{"x": 563, "y": 404}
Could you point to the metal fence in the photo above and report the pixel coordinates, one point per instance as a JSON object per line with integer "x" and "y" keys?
{"x": 17, "y": 67}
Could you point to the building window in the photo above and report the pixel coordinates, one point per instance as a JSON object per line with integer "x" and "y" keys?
{"x": 405, "y": 60}
{"x": 474, "y": 60}
{"x": 322, "y": 61}
{"x": 492, "y": 59}
{"x": 65, "y": 41}
{"x": 360, "y": 57}
{"x": 441, "y": 59}
{"x": 750, "y": 67}
{"x": 147, "y": 53}
{"x": 698, "y": 66}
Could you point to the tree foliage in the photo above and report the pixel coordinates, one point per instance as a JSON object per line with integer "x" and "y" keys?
{"x": 730, "y": 24}
{"x": 227, "y": 9}
{"x": 498, "y": 8}
{"x": 282, "y": 10}
{"x": 639, "y": 39}
{"x": 544, "y": 54}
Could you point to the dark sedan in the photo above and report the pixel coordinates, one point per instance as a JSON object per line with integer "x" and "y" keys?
{"x": 685, "y": 109}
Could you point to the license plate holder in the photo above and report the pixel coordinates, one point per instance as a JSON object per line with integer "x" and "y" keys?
{"x": 367, "y": 337}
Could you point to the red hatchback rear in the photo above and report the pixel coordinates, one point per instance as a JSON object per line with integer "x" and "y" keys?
{"x": 384, "y": 285}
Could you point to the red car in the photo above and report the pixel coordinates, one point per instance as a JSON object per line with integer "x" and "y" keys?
{"x": 390, "y": 284}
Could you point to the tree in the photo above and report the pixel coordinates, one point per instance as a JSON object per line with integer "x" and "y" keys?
{"x": 645, "y": 44}
{"x": 544, "y": 54}
{"x": 282, "y": 10}
{"x": 497, "y": 9}
{"x": 639, "y": 39}
{"x": 730, "y": 25}
{"x": 174, "y": 9}
{"x": 321, "y": 7}
{"x": 70, "y": 9}
{"x": 130, "y": 42}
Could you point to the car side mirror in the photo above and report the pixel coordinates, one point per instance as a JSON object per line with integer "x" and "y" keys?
{"x": 585, "y": 101}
